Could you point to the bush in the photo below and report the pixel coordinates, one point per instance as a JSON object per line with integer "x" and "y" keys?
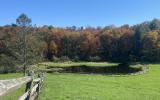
{"x": 7, "y": 64}
{"x": 94, "y": 59}
{"x": 76, "y": 58}
{"x": 64, "y": 58}
{"x": 56, "y": 59}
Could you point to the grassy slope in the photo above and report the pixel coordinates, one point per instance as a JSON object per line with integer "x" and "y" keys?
{"x": 100, "y": 87}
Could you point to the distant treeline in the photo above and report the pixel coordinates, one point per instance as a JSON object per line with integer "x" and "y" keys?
{"x": 140, "y": 42}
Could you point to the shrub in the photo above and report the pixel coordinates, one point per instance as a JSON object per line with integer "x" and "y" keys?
{"x": 56, "y": 59}
{"x": 76, "y": 58}
{"x": 94, "y": 59}
{"x": 7, "y": 64}
{"x": 64, "y": 58}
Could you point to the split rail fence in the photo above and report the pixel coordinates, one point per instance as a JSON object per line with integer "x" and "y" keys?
{"x": 32, "y": 89}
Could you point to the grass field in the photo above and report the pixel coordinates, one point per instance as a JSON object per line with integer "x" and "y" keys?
{"x": 59, "y": 86}
{"x": 68, "y": 64}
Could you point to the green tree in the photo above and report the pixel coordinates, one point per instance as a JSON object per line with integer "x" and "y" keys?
{"x": 24, "y": 22}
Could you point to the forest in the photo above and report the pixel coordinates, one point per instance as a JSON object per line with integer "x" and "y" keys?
{"x": 137, "y": 43}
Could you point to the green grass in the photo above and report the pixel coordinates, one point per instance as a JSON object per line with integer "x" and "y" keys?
{"x": 68, "y": 64}
{"x": 42, "y": 66}
{"x": 15, "y": 94}
{"x": 10, "y": 76}
{"x": 100, "y": 87}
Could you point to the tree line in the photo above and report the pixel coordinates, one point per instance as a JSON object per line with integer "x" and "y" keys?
{"x": 126, "y": 43}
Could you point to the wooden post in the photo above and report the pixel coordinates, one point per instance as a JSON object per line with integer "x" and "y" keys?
{"x": 29, "y": 86}
{"x": 40, "y": 82}
{"x": 39, "y": 85}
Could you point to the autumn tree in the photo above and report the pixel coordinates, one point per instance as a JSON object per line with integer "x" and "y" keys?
{"x": 151, "y": 46}
{"x": 89, "y": 44}
{"x": 23, "y": 43}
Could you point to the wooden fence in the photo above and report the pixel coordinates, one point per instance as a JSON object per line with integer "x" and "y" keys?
{"x": 33, "y": 86}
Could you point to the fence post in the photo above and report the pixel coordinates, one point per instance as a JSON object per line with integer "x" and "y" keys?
{"x": 39, "y": 85}
{"x": 38, "y": 90}
{"x": 33, "y": 86}
{"x": 29, "y": 85}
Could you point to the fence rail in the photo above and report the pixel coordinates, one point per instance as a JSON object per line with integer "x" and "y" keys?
{"x": 33, "y": 86}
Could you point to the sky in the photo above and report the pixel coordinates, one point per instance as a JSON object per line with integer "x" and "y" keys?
{"x": 62, "y": 13}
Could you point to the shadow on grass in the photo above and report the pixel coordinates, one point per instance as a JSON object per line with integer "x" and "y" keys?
{"x": 96, "y": 70}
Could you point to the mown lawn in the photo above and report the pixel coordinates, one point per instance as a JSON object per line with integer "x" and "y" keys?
{"x": 102, "y": 87}
{"x": 59, "y": 86}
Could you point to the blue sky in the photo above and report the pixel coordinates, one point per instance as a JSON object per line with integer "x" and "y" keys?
{"x": 63, "y": 13}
